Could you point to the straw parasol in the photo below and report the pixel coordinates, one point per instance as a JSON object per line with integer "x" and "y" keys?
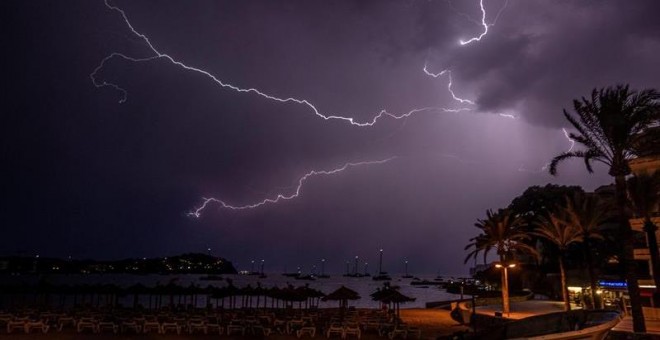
{"x": 391, "y": 296}
{"x": 342, "y": 294}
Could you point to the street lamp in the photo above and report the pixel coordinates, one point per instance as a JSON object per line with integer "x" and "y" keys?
{"x": 505, "y": 284}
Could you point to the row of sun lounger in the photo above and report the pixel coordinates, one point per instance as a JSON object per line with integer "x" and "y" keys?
{"x": 246, "y": 323}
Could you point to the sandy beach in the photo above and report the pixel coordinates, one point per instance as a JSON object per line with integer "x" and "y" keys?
{"x": 432, "y": 323}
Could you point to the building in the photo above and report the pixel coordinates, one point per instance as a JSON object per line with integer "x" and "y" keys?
{"x": 647, "y": 164}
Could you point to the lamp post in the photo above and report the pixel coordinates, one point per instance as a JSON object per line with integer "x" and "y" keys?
{"x": 505, "y": 284}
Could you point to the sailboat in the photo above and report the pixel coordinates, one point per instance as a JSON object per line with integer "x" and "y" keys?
{"x": 406, "y": 276}
{"x": 382, "y": 276}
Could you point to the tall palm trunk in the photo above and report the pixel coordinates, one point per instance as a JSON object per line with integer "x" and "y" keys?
{"x": 564, "y": 287}
{"x": 628, "y": 257}
{"x": 650, "y": 229}
{"x": 592, "y": 275}
{"x": 505, "y": 286}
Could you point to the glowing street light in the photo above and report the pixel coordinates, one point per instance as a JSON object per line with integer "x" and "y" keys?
{"x": 505, "y": 284}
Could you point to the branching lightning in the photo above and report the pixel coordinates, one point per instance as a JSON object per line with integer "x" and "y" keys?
{"x": 570, "y": 140}
{"x": 219, "y": 82}
{"x": 449, "y": 83}
{"x": 157, "y": 54}
{"x": 568, "y": 136}
{"x": 282, "y": 197}
{"x": 483, "y": 23}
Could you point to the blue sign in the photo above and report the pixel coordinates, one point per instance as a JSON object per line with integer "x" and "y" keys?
{"x": 613, "y": 284}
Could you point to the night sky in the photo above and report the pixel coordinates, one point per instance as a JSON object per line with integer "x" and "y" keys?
{"x": 87, "y": 176}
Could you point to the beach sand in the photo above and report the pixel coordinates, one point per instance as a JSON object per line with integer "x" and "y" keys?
{"x": 432, "y": 322}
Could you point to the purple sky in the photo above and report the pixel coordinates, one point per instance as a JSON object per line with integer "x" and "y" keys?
{"x": 89, "y": 177}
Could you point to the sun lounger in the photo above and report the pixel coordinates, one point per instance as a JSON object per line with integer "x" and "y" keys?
{"x": 36, "y": 325}
{"x": 352, "y": 329}
{"x": 131, "y": 325}
{"x": 306, "y": 330}
{"x": 151, "y": 326}
{"x": 335, "y": 329}
{"x": 87, "y": 324}
{"x": 213, "y": 325}
{"x": 65, "y": 321}
{"x": 13, "y": 325}
{"x": 170, "y": 326}
{"x": 108, "y": 326}
{"x": 196, "y": 324}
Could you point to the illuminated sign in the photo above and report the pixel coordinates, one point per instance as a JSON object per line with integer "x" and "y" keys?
{"x": 613, "y": 284}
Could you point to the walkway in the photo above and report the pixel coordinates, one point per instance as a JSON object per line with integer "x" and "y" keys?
{"x": 525, "y": 309}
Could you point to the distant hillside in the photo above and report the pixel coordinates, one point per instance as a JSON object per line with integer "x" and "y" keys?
{"x": 191, "y": 263}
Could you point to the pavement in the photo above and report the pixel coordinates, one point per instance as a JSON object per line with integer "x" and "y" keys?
{"x": 519, "y": 310}
{"x": 529, "y": 308}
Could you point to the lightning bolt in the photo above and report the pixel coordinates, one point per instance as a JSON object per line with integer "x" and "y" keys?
{"x": 159, "y": 55}
{"x": 507, "y": 115}
{"x": 483, "y": 23}
{"x": 449, "y": 84}
{"x": 282, "y": 197}
{"x": 568, "y": 136}
{"x": 570, "y": 140}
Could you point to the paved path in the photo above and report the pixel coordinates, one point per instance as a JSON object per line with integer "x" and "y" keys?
{"x": 652, "y": 326}
{"x": 525, "y": 309}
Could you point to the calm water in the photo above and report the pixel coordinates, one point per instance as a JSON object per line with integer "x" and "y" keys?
{"x": 364, "y": 286}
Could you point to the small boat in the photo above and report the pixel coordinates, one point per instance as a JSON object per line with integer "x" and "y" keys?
{"x": 355, "y": 275}
{"x": 382, "y": 276}
{"x": 306, "y": 277}
{"x": 426, "y": 283}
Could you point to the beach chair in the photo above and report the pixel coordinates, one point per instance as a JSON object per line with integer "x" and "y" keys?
{"x": 108, "y": 326}
{"x": 130, "y": 324}
{"x": 335, "y": 329}
{"x": 306, "y": 330}
{"x": 151, "y": 326}
{"x": 235, "y": 326}
{"x": 352, "y": 329}
{"x": 13, "y": 325}
{"x": 398, "y": 331}
{"x": 65, "y": 320}
{"x": 196, "y": 324}
{"x": 213, "y": 325}
{"x": 293, "y": 326}
{"x": 280, "y": 326}
{"x": 87, "y": 324}
{"x": 36, "y": 325}
{"x": 170, "y": 325}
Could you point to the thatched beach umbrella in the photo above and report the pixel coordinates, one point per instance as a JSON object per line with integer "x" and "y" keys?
{"x": 391, "y": 296}
{"x": 136, "y": 290}
{"x": 342, "y": 294}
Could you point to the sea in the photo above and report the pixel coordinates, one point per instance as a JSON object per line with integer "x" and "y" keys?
{"x": 364, "y": 286}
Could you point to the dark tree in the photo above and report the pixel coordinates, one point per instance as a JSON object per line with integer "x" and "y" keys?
{"x": 609, "y": 125}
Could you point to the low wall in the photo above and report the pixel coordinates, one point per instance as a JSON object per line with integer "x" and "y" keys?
{"x": 498, "y": 300}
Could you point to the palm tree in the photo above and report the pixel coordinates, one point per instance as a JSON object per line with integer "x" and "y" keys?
{"x": 557, "y": 229}
{"x": 644, "y": 194}
{"x": 609, "y": 125}
{"x": 501, "y": 231}
{"x": 586, "y": 212}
